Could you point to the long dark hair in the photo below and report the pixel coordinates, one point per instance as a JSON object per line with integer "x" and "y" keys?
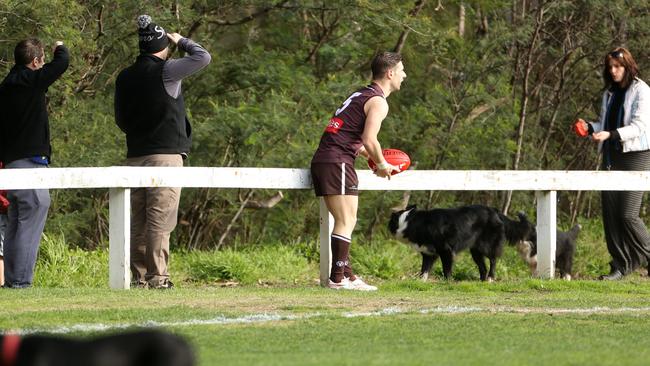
{"x": 624, "y": 57}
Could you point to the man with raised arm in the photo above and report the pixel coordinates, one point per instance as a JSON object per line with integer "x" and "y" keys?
{"x": 25, "y": 143}
{"x": 150, "y": 110}
{"x": 352, "y": 131}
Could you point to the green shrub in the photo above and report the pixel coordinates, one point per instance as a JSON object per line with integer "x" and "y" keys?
{"x": 385, "y": 259}
{"x": 269, "y": 264}
{"x": 61, "y": 266}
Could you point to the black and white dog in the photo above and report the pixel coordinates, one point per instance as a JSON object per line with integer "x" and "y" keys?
{"x": 565, "y": 247}
{"x": 444, "y": 232}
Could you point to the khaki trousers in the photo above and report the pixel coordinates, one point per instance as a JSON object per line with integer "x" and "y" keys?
{"x": 154, "y": 214}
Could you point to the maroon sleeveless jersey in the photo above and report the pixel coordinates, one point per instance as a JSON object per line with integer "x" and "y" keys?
{"x": 341, "y": 140}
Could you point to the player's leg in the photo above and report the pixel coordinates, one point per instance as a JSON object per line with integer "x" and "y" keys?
{"x": 344, "y": 210}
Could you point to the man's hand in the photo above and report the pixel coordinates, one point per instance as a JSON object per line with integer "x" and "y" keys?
{"x": 385, "y": 170}
{"x": 174, "y": 37}
{"x": 57, "y": 44}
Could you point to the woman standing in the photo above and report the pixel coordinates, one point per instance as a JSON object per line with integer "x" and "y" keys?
{"x": 623, "y": 134}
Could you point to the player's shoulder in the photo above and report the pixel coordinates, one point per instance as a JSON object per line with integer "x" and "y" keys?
{"x": 376, "y": 104}
{"x": 377, "y": 101}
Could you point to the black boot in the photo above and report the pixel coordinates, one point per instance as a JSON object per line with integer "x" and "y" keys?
{"x": 615, "y": 275}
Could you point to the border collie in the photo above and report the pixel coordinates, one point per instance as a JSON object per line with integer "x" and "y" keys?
{"x": 565, "y": 246}
{"x": 444, "y": 232}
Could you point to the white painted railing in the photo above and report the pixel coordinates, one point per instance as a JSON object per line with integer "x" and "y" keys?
{"x": 120, "y": 180}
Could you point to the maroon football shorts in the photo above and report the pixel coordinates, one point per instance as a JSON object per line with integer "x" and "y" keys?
{"x": 334, "y": 179}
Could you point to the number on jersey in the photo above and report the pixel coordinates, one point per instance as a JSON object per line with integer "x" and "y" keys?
{"x": 347, "y": 103}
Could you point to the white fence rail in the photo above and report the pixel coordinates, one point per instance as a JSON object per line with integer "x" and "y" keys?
{"x": 120, "y": 180}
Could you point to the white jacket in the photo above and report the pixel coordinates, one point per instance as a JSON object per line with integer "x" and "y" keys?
{"x": 635, "y": 133}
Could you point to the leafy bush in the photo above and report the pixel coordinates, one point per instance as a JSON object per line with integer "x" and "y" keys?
{"x": 269, "y": 264}
{"x": 58, "y": 265}
{"x": 297, "y": 263}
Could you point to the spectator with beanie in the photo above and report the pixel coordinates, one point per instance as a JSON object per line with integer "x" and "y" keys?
{"x": 150, "y": 110}
{"x": 352, "y": 131}
{"x": 25, "y": 143}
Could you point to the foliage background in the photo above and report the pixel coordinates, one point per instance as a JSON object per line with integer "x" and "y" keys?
{"x": 491, "y": 85}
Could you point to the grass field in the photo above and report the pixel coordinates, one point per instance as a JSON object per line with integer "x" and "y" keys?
{"x": 407, "y": 322}
{"x": 261, "y": 305}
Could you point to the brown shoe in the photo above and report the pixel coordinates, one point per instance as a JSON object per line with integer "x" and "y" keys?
{"x": 139, "y": 284}
{"x": 165, "y": 285}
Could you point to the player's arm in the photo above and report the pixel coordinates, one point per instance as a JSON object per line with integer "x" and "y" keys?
{"x": 376, "y": 110}
{"x": 363, "y": 152}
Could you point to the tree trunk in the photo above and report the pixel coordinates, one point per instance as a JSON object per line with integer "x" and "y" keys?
{"x": 623, "y": 32}
{"x": 559, "y": 92}
{"x": 575, "y": 208}
{"x": 461, "y": 20}
{"x": 483, "y": 26}
{"x": 524, "y": 99}
{"x": 234, "y": 219}
{"x": 419, "y": 4}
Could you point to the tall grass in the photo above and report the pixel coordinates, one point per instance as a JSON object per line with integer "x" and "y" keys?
{"x": 275, "y": 264}
{"x": 591, "y": 257}
{"x": 297, "y": 263}
{"x": 61, "y": 266}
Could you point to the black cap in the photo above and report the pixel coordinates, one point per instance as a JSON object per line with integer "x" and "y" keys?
{"x": 153, "y": 38}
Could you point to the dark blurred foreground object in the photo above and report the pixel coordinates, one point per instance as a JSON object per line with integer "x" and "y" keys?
{"x": 141, "y": 348}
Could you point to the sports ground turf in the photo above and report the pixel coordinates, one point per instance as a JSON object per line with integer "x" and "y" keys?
{"x": 527, "y": 322}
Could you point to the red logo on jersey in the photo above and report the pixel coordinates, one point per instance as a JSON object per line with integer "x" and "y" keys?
{"x": 335, "y": 125}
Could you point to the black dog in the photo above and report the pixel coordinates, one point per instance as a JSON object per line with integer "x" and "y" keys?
{"x": 565, "y": 247}
{"x": 141, "y": 348}
{"x": 445, "y": 232}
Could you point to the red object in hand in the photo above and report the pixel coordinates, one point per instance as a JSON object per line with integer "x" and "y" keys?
{"x": 394, "y": 157}
{"x": 4, "y": 202}
{"x": 581, "y": 128}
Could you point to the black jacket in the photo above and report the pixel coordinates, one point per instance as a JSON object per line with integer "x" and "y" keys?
{"x": 153, "y": 121}
{"x": 24, "y": 125}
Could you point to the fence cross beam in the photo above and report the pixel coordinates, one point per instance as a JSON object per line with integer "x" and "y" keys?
{"x": 120, "y": 180}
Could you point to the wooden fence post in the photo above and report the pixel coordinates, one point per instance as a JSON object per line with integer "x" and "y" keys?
{"x": 326, "y": 227}
{"x": 119, "y": 237}
{"x": 546, "y": 233}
